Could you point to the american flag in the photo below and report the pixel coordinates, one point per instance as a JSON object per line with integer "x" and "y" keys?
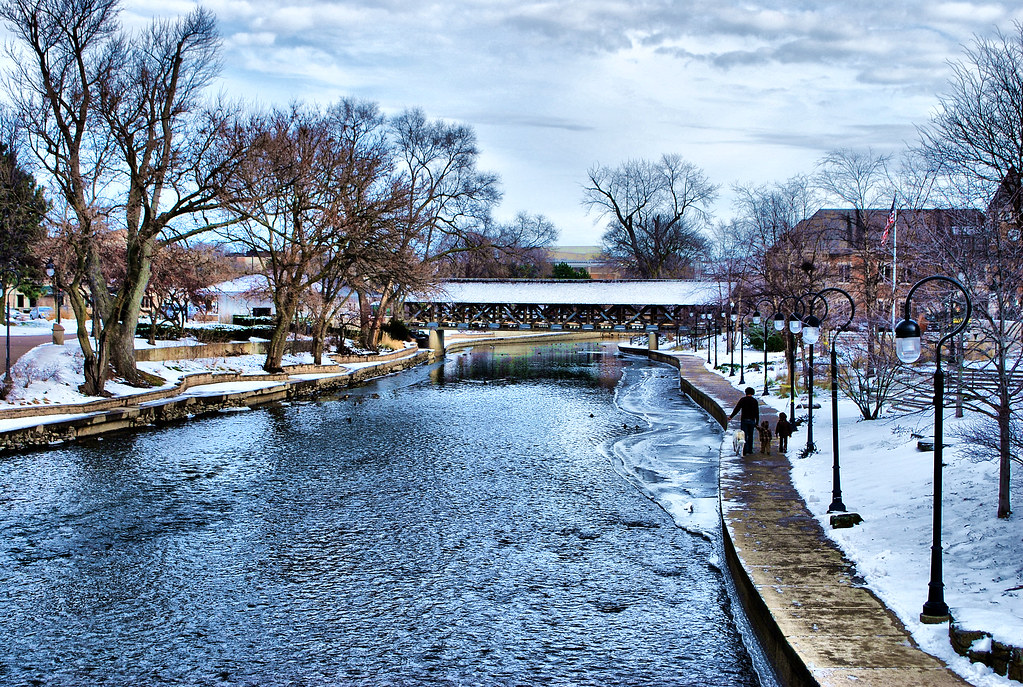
{"x": 889, "y": 224}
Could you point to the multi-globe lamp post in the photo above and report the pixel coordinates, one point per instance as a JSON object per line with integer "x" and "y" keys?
{"x": 732, "y": 317}
{"x": 757, "y": 319}
{"x": 811, "y": 331}
{"x": 795, "y": 321}
{"x": 908, "y": 347}
{"x": 836, "y": 475}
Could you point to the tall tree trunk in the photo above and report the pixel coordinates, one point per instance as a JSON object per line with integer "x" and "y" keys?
{"x": 125, "y": 316}
{"x": 286, "y": 300}
{"x": 319, "y": 337}
{"x": 365, "y": 313}
{"x": 1004, "y": 455}
{"x": 94, "y": 365}
{"x": 378, "y": 319}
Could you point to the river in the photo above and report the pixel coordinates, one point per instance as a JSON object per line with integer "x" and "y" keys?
{"x": 516, "y": 516}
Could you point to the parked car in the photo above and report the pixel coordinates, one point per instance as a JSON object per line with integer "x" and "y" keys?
{"x": 42, "y": 312}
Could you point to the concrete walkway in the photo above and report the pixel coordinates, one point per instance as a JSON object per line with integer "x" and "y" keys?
{"x": 817, "y": 623}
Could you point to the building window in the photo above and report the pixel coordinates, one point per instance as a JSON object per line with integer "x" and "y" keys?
{"x": 845, "y": 273}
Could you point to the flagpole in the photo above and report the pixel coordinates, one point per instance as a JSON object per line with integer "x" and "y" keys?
{"x": 895, "y": 248}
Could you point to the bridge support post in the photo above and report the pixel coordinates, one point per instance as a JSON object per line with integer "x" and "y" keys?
{"x": 652, "y": 340}
{"x": 437, "y": 341}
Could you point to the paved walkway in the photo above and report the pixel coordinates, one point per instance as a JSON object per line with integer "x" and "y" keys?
{"x": 802, "y": 595}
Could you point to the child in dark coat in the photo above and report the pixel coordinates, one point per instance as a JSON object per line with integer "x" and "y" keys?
{"x": 784, "y": 430}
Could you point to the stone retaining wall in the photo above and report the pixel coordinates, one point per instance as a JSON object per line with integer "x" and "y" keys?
{"x": 161, "y": 407}
{"x": 1004, "y": 659}
{"x": 207, "y": 350}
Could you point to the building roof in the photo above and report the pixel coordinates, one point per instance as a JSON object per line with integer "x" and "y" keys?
{"x": 247, "y": 284}
{"x": 576, "y": 292}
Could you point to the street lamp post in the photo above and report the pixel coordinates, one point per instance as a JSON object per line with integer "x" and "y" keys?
{"x": 908, "y": 347}
{"x": 836, "y": 476}
{"x": 742, "y": 348}
{"x": 795, "y": 326}
{"x": 717, "y": 330}
{"x": 757, "y": 318}
{"x": 58, "y": 328}
{"x": 731, "y": 335}
{"x": 811, "y": 335}
{"x": 706, "y": 318}
{"x": 8, "y": 277}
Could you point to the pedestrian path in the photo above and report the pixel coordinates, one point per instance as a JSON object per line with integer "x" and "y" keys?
{"x": 818, "y": 624}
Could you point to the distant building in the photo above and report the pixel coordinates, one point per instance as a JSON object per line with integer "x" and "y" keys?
{"x": 589, "y": 258}
{"x": 248, "y": 295}
{"x": 844, "y": 248}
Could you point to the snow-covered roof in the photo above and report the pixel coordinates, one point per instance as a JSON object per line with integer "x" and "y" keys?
{"x": 577, "y": 292}
{"x": 246, "y": 284}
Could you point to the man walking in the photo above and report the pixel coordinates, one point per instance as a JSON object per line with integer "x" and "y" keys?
{"x": 749, "y": 416}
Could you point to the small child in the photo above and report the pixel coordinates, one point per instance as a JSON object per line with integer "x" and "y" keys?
{"x": 784, "y": 430}
{"x": 765, "y": 437}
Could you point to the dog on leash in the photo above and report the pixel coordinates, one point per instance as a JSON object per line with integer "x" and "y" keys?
{"x": 738, "y": 441}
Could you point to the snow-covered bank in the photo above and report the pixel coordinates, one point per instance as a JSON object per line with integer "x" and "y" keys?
{"x": 888, "y": 481}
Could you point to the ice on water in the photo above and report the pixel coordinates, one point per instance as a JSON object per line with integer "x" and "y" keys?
{"x": 672, "y": 454}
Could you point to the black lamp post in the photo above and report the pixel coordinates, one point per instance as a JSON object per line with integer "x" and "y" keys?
{"x": 908, "y": 348}
{"x": 756, "y": 320}
{"x": 811, "y": 328}
{"x": 58, "y": 328}
{"x": 795, "y": 326}
{"x": 742, "y": 348}
{"x": 706, "y": 318}
{"x": 8, "y": 277}
{"x": 717, "y": 330}
{"x": 731, "y": 336}
{"x": 836, "y": 476}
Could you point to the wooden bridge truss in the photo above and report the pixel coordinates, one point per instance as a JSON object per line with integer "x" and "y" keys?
{"x": 468, "y": 316}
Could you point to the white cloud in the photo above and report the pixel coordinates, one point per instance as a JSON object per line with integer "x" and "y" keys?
{"x": 749, "y": 90}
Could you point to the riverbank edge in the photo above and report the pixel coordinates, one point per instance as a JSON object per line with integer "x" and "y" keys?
{"x": 816, "y": 625}
{"x": 171, "y": 405}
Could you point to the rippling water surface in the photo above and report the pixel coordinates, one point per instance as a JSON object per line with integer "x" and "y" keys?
{"x": 462, "y": 526}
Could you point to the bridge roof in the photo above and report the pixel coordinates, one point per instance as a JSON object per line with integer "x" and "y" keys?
{"x": 576, "y": 292}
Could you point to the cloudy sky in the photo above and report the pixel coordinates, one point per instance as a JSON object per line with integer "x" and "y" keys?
{"x": 749, "y": 91}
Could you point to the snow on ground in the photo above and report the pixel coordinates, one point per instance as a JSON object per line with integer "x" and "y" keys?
{"x": 50, "y": 374}
{"x": 889, "y": 483}
{"x": 30, "y": 327}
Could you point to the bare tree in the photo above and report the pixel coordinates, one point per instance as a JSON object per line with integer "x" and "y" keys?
{"x": 447, "y": 200}
{"x": 181, "y": 275}
{"x": 767, "y": 217}
{"x": 786, "y": 254}
{"x": 118, "y": 126}
{"x": 975, "y": 142}
{"x": 168, "y": 158}
{"x": 447, "y": 195}
{"x": 310, "y": 195}
{"x": 55, "y": 70}
{"x": 655, "y": 213}
{"x": 517, "y": 249}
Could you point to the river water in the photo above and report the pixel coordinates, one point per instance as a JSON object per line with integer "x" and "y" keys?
{"x": 491, "y": 521}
